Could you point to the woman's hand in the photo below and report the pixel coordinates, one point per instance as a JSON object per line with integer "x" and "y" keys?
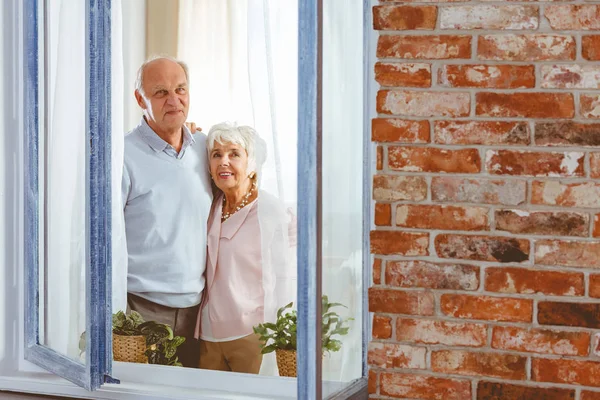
{"x": 192, "y": 127}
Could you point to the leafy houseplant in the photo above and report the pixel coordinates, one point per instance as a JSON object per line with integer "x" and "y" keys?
{"x": 281, "y": 337}
{"x": 160, "y": 343}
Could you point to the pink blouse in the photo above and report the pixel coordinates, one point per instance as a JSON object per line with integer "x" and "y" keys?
{"x": 234, "y": 294}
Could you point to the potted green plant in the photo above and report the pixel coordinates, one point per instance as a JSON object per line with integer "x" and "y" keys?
{"x": 136, "y": 340}
{"x": 280, "y": 336}
{"x": 160, "y": 343}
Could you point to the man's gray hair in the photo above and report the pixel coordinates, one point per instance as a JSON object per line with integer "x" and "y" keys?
{"x": 139, "y": 80}
{"x": 244, "y": 136}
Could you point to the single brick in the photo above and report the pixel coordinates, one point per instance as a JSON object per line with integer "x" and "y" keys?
{"x": 396, "y": 242}
{"x": 535, "y": 163}
{"x": 373, "y": 382}
{"x": 427, "y": 216}
{"x": 489, "y": 17}
{"x": 425, "y": 274}
{"x": 431, "y": 47}
{"x": 395, "y": 188}
{"x": 399, "y": 302}
{"x": 383, "y": 214}
{"x": 544, "y": 341}
{"x": 573, "y": 17}
{"x": 586, "y": 373}
{"x": 430, "y": 159}
{"x": 423, "y": 104}
{"x": 503, "y": 366}
{"x": 594, "y": 285}
{"x": 488, "y": 191}
{"x": 379, "y": 161}
{"x": 590, "y": 47}
{"x": 586, "y": 315}
{"x": 487, "y": 308}
{"x": 507, "y": 391}
{"x": 527, "y": 281}
{"x": 526, "y": 105}
{"x": 482, "y": 248}
{"x": 391, "y": 355}
{"x": 399, "y": 130}
{"x": 553, "y": 193}
{"x": 403, "y": 74}
{"x": 482, "y": 132}
{"x": 529, "y": 47}
{"x": 589, "y": 105}
{"x": 543, "y": 222}
{"x": 567, "y": 253}
{"x": 570, "y": 76}
{"x": 487, "y": 76}
{"x": 595, "y": 165}
{"x": 567, "y": 133}
{"x": 377, "y": 271}
{"x": 402, "y": 385}
{"x": 382, "y": 327}
{"x": 398, "y": 18}
{"x": 441, "y": 332}
{"x": 588, "y": 395}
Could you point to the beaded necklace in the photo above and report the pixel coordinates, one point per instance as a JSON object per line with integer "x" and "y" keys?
{"x": 225, "y": 215}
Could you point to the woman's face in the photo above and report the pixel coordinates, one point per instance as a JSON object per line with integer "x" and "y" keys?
{"x": 228, "y": 166}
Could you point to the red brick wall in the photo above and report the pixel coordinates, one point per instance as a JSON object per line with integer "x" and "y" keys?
{"x": 486, "y": 274}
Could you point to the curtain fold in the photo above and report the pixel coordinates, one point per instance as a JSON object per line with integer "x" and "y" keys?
{"x": 342, "y": 201}
{"x": 64, "y": 303}
{"x": 64, "y": 172}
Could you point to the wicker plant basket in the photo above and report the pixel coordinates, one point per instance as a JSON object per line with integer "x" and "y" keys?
{"x": 286, "y": 362}
{"x": 129, "y": 349}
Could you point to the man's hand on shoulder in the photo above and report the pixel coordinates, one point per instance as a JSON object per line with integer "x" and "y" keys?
{"x": 192, "y": 127}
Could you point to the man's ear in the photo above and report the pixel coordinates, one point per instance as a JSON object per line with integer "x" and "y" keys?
{"x": 140, "y": 99}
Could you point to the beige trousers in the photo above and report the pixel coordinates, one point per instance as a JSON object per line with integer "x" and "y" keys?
{"x": 240, "y": 355}
{"x": 181, "y": 320}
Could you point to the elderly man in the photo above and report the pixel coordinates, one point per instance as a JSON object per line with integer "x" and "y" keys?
{"x": 166, "y": 202}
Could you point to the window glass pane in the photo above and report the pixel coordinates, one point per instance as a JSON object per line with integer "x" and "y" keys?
{"x": 342, "y": 202}
{"x": 242, "y": 68}
{"x": 62, "y": 177}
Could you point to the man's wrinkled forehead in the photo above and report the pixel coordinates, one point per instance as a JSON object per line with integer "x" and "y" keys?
{"x": 164, "y": 73}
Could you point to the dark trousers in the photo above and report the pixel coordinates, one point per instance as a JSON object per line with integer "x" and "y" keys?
{"x": 181, "y": 320}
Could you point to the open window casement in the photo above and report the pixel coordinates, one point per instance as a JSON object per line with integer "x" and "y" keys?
{"x": 52, "y": 338}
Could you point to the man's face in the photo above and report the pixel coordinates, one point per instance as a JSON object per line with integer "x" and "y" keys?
{"x": 165, "y": 98}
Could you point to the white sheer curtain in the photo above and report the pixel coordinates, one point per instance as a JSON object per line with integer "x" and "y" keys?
{"x": 65, "y": 177}
{"x": 65, "y": 165}
{"x": 343, "y": 177}
{"x": 243, "y": 58}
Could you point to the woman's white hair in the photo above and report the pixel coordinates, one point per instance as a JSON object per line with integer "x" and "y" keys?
{"x": 139, "y": 80}
{"x": 244, "y": 136}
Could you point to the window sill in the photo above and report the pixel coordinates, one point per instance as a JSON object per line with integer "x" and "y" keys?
{"x": 46, "y": 384}
{"x": 143, "y": 382}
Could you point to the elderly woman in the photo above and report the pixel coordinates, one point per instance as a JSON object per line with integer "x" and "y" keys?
{"x": 248, "y": 272}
